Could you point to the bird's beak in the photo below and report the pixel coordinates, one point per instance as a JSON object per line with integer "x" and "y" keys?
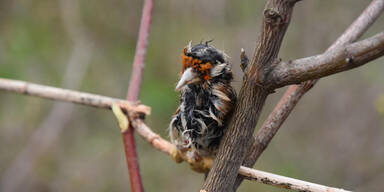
{"x": 186, "y": 78}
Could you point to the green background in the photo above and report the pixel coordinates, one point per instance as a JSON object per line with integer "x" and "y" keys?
{"x": 334, "y": 136}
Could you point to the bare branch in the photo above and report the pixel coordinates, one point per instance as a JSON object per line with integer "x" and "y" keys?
{"x": 360, "y": 25}
{"x": 295, "y": 92}
{"x": 142, "y": 129}
{"x": 133, "y": 95}
{"x": 331, "y": 62}
{"x": 66, "y": 95}
{"x": 237, "y": 139}
{"x": 259, "y": 176}
{"x": 275, "y": 119}
{"x": 141, "y": 51}
{"x": 285, "y": 182}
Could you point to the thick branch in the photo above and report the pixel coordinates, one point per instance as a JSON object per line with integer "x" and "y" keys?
{"x": 66, "y": 95}
{"x": 335, "y": 61}
{"x": 292, "y": 96}
{"x": 236, "y": 141}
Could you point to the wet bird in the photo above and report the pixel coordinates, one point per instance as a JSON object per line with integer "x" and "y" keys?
{"x": 206, "y": 102}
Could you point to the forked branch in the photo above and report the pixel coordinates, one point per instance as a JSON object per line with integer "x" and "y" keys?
{"x": 339, "y": 59}
{"x": 294, "y": 93}
{"x": 252, "y": 96}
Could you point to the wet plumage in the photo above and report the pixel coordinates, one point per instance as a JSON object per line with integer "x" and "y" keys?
{"x": 206, "y": 101}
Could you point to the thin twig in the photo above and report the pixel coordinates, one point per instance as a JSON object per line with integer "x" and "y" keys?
{"x": 133, "y": 95}
{"x": 141, "y": 128}
{"x": 285, "y": 182}
{"x": 67, "y": 95}
{"x": 294, "y": 93}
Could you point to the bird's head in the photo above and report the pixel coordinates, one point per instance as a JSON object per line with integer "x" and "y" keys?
{"x": 200, "y": 64}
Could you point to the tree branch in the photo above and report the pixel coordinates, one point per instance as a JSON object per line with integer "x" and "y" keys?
{"x": 294, "y": 93}
{"x": 285, "y": 182}
{"x": 259, "y": 176}
{"x": 331, "y": 62}
{"x": 236, "y": 141}
{"x": 141, "y": 128}
{"x": 133, "y": 95}
{"x": 260, "y": 62}
{"x": 67, "y": 95}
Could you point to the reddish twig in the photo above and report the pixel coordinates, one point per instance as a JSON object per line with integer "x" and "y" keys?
{"x": 295, "y": 92}
{"x": 133, "y": 95}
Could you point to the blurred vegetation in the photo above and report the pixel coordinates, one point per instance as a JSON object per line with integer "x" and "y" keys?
{"x": 333, "y": 137}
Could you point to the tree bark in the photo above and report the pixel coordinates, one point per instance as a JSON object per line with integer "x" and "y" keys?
{"x": 292, "y": 96}
{"x": 236, "y": 141}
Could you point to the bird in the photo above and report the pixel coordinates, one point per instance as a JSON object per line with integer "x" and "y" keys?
{"x": 207, "y": 100}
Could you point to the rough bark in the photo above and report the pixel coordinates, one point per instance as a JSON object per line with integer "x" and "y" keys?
{"x": 294, "y": 93}
{"x": 340, "y": 59}
{"x": 252, "y": 96}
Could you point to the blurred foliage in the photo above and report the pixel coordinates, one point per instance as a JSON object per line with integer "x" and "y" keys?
{"x": 333, "y": 137}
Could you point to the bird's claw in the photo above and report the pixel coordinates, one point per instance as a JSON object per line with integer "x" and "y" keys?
{"x": 176, "y": 155}
{"x": 202, "y": 165}
{"x": 197, "y": 163}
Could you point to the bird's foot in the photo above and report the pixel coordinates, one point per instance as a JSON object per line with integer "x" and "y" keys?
{"x": 203, "y": 165}
{"x": 176, "y": 155}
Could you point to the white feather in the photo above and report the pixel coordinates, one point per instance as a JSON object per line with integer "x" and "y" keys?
{"x": 218, "y": 70}
{"x": 189, "y": 47}
{"x": 220, "y": 95}
{"x": 213, "y": 116}
{"x": 203, "y": 125}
